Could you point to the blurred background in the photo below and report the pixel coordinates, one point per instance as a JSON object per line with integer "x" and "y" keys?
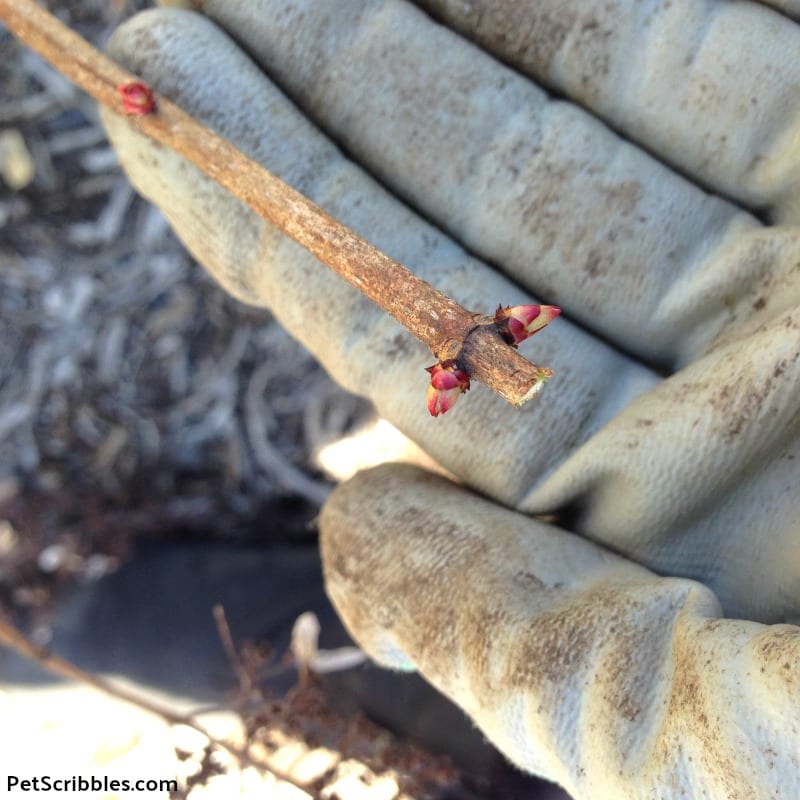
{"x": 164, "y": 450}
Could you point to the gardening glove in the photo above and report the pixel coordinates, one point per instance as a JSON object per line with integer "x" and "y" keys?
{"x": 649, "y": 652}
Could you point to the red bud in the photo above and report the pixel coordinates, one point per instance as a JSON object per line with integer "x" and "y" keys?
{"x": 448, "y": 383}
{"x": 137, "y": 98}
{"x": 517, "y": 323}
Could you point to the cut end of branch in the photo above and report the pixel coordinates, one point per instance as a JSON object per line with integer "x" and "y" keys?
{"x": 544, "y": 376}
{"x": 488, "y": 358}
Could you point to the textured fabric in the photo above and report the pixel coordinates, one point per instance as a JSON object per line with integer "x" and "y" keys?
{"x": 579, "y": 665}
{"x": 710, "y": 87}
{"x": 671, "y": 431}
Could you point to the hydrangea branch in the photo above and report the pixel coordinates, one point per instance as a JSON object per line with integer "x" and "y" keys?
{"x": 451, "y": 332}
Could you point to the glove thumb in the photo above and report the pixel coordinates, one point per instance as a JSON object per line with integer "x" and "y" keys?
{"x": 580, "y": 666}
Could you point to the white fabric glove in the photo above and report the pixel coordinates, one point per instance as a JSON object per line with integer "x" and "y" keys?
{"x": 670, "y": 433}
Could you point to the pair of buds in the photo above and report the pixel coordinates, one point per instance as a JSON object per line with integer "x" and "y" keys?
{"x": 515, "y": 323}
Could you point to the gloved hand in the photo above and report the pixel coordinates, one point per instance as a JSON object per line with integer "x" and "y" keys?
{"x": 668, "y": 441}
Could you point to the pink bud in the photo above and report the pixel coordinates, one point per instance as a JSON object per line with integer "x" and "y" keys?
{"x": 137, "y": 98}
{"x": 517, "y": 323}
{"x": 448, "y": 383}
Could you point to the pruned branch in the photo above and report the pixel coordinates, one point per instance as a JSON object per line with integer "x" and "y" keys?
{"x": 448, "y": 329}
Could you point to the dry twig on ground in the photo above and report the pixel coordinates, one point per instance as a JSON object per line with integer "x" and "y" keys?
{"x": 12, "y": 638}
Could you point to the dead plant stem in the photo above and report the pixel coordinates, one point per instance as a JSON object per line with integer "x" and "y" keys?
{"x": 12, "y": 638}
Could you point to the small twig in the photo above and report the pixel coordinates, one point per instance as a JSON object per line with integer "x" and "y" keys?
{"x": 11, "y": 637}
{"x": 448, "y": 329}
{"x": 224, "y": 633}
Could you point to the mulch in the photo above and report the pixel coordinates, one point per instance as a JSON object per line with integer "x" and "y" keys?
{"x": 133, "y": 391}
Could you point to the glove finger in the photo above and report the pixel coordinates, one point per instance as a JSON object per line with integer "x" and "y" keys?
{"x": 709, "y": 87}
{"x": 698, "y": 477}
{"x": 363, "y": 348}
{"x": 578, "y": 665}
{"x": 567, "y": 208}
